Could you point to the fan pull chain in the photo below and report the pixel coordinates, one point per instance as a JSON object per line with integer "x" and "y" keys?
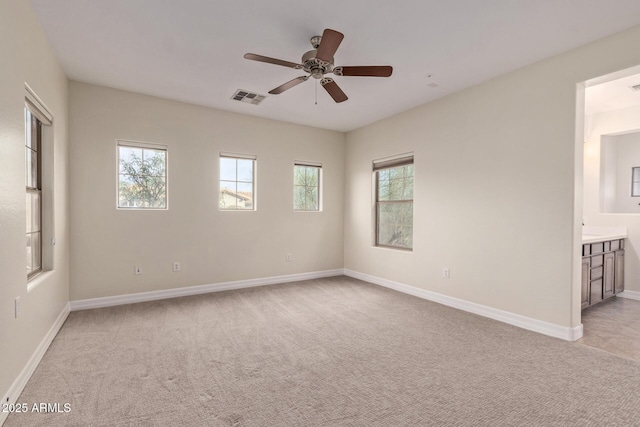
{"x": 316, "y": 92}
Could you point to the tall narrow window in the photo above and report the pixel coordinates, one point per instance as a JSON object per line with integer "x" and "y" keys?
{"x": 394, "y": 202}
{"x": 307, "y": 186}
{"x": 237, "y": 182}
{"x": 142, "y": 176}
{"x": 33, "y": 158}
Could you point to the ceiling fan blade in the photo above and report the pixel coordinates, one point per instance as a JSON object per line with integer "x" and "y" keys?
{"x": 288, "y": 85}
{"x": 364, "y": 71}
{"x": 329, "y": 43}
{"x": 260, "y": 58}
{"x": 333, "y": 89}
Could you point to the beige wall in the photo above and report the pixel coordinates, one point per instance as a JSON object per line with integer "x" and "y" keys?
{"x": 495, "y": 180}
{"x": 212, "y": 246}
{"x": 498, "y": 195}
{"x": 608, "y": 123}
{"x": 27, "y": 58}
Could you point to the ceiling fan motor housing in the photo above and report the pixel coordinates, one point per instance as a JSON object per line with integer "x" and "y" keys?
{"x": 314, "y": 66}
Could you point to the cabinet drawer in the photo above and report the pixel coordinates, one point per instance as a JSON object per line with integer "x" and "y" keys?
{"x": 596, "y": 273}
{"x": 615, "y": 245}
{"x": 597, "y": 248}
{"x": 597, "y": 261}
{"x": 586, "y": 250}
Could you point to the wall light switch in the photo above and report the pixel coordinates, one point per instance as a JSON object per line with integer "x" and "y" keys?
{"x": 137, "y": 270}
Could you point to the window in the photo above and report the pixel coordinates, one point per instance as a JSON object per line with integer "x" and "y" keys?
{"x": 306, "y": 186}
{"x": 142, "y": 176}
{"x": 635, "y": 182}
{"x": 237, "y": 178}
{"x": 33, "y": 159}
{"x": 39, "y": 185}
{"x": 394, "y": 202}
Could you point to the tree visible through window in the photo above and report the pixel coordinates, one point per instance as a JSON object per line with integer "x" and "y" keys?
{"x": 306, "y": 187}
{"x": 394, "y": 203}
{"x": 142, "y": 177}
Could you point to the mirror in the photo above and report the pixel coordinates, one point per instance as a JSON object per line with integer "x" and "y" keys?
{"x": 620, "y": 173}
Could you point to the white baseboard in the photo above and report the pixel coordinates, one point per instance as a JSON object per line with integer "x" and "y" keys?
{"x": 546, "y": 328}
{"x": 196, "y": 290}
{"x": 18, "y": 385}
{"x": 629, "y": 295}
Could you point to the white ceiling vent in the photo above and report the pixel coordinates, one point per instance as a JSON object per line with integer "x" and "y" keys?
{"x": 248, "y": 97}
{"x": 635, "y": 87}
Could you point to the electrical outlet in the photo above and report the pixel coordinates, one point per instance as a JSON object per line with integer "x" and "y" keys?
{"x": 176, "y": 266}
{"x": 446, "y": 273}
{"x": 137, "y": 270}
{"x": 17, "y": 307}
{"x": 288, "y": 258}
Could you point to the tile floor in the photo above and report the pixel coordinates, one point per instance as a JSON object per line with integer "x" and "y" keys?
{"x": 613, "y": 326}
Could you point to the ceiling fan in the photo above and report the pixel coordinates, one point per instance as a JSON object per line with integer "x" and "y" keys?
{"x": 319, "y": 61}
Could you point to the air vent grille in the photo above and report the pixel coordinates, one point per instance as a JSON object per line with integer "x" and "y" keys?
{"x": 635, "y": 87}
{"x": 248, "y": 97}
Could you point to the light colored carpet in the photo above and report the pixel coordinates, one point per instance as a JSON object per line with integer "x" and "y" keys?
{"x": 328, "y": 352}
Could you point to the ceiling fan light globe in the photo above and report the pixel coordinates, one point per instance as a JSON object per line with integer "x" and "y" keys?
{"x": 315, "y": 41}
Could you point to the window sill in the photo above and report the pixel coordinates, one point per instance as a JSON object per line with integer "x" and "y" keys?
{"x": 141, "y": 209}
{"x": 39, "y": 279}
{"x": 393, "y": 248}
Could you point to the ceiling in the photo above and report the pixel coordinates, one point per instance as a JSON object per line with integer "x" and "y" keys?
{"x": 613, "y": 95}
{"x": 192, "y": 50}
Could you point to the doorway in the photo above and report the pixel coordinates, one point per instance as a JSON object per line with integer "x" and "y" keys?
{"x": 611, "y": 149}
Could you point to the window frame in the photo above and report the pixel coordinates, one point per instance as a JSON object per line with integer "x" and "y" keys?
{"x": 254, "y": 167}
{"x": 387, "y": 164}
{"x": 34, "y": 123}
{"x": 633, "y": 181}
{"x": 144, "y": 146}
{"x": 45, "y": 163}
{"x": 318, "y": 187}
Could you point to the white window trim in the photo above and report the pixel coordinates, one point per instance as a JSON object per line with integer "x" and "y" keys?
{"x": 148, "y": 145}
{"x": 243, "y": 156}
{"x": 378, "y": 165}
{"x": 633, "y": 194}
{"x": 320, "y": 184}
{"x": 39, "y": 109}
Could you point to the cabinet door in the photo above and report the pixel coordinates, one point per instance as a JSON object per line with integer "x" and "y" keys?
{"x": 595, "y": 291}
{"x": 608, "y": 285}
{"x": 586, "y": 267}
{"x": 619, "y": 280}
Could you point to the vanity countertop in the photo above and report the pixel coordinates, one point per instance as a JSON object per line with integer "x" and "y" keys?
{"x": 591, "y": 234}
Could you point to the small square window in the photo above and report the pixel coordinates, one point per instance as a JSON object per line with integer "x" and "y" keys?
{"x": 237, "y": 182}
{"x": 142, "y": 176}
